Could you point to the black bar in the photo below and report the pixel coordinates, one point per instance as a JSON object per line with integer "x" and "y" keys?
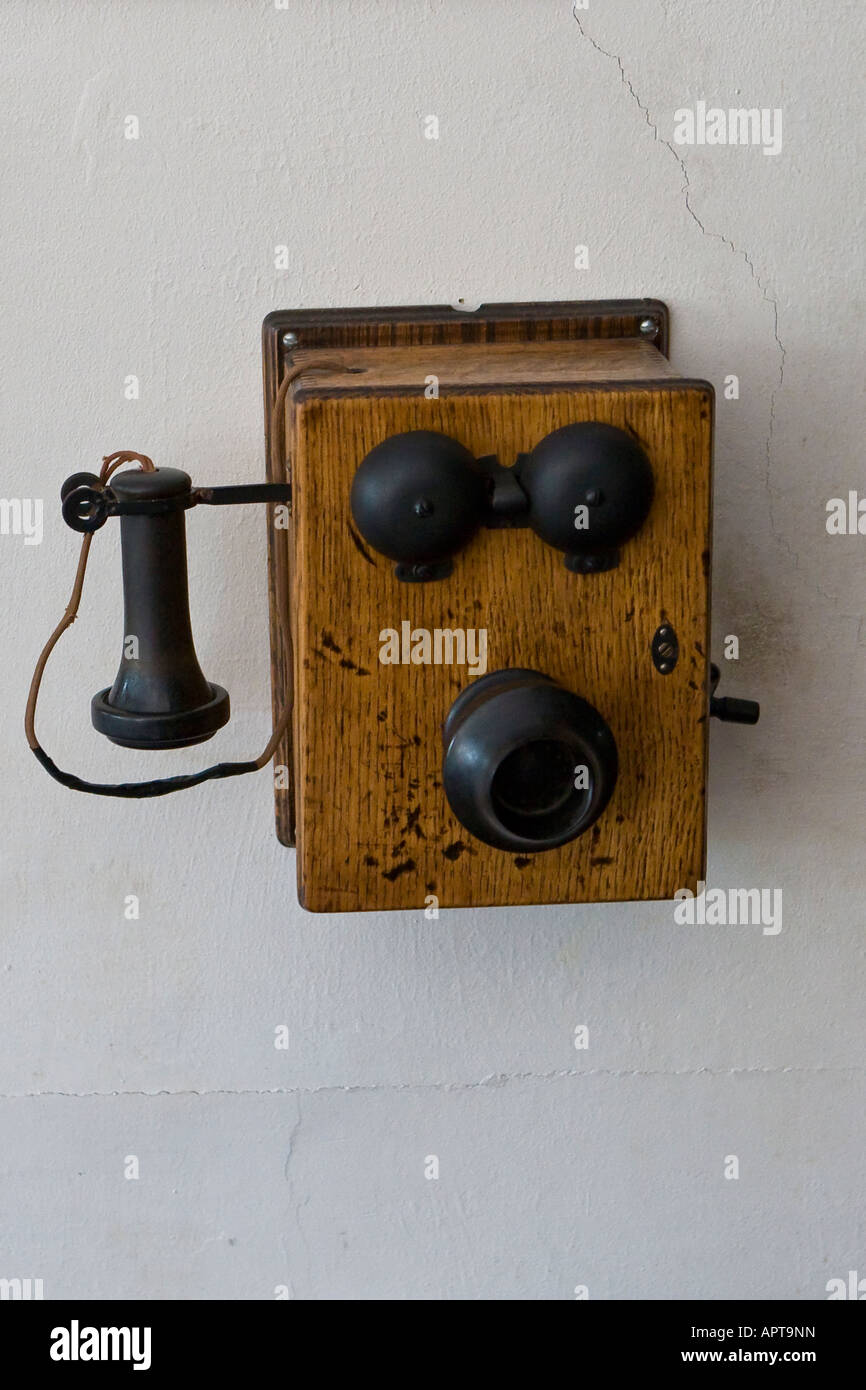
{"x": 221, "y": 1341}
{"x": 246, "y": 492}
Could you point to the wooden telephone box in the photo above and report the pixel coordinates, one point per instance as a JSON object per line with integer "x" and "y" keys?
{"x": 362, "y": 795}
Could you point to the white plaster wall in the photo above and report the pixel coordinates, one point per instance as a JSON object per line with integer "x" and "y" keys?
{"x": 155, "y": 1037}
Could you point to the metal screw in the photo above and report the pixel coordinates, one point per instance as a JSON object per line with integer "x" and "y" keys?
{"x": 664, "y": 632}
{"x": 290, "y": 340}
{"x": 665, "y": 668}
{"x": 423, "y": 507}
{"x": 649, "y": 327}
{"x": 594, "y": 497}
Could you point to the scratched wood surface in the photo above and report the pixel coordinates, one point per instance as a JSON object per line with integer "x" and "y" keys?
{"x": 374, "y": 829}
{"x": 563, "y": 321}
{"x": 527, "y": 366}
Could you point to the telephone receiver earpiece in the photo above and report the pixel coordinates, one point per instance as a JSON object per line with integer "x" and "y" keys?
{"x": 420, "y": 497}
{"x": 160, "y": 697}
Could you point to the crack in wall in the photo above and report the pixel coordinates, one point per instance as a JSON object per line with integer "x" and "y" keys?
{"x": 736, "y": 251}
{"x": 493, "y": 1080}
{"x": 295, "y": 1204}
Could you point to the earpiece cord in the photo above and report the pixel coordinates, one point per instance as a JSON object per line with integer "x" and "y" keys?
{"x": 163, "y": 785}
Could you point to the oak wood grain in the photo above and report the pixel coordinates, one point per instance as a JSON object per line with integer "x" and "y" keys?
{"x": 389, "y": 326}
{"x": 528, "y": 366}
{"x": 374, "y": 829}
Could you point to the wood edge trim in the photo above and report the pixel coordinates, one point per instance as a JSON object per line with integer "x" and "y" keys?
{"x": 311, "y": 392}
{"x": 281, "y": 677}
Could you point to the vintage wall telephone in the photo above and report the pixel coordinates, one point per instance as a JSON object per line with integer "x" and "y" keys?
{"x": 489, "y": 606}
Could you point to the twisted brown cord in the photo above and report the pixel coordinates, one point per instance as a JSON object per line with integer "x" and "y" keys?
{"x": 110, "y": 463}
